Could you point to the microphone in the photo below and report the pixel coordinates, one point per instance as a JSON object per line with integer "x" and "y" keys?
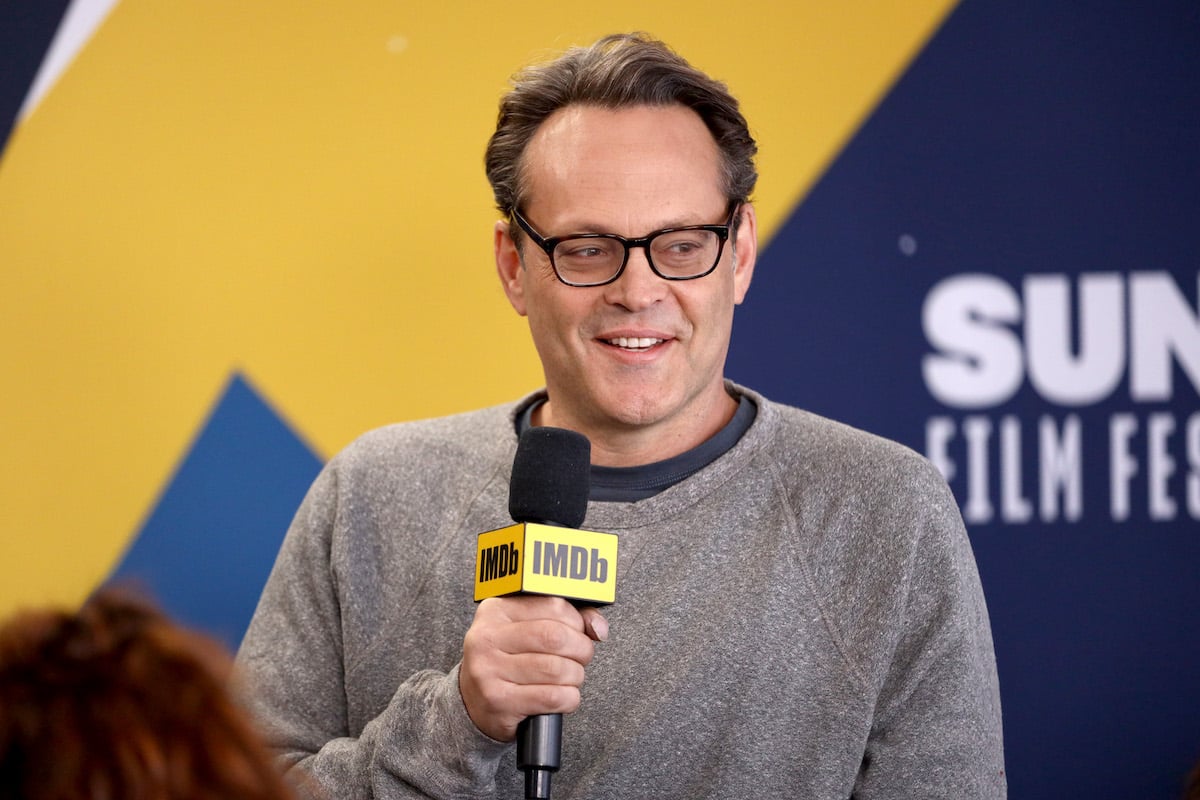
{"x": 551, "y": 477}
{"x": 547, "y": 499}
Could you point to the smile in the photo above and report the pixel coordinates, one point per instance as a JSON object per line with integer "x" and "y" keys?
{"x": 644, "y": 343}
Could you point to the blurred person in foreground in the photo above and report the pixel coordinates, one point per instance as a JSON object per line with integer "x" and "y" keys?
{"x": 798, "y": 609}
{"x": 1192, "y": 790}
{"x": 117, "y": 702}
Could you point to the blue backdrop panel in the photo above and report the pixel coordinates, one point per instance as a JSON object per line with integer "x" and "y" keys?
{"x": 209, "y": 544}
{"x": 26, "y": 30}
{"x": 1031, "y": 146}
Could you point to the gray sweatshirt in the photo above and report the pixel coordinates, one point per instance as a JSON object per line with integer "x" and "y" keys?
{"x": 802, "y": 618}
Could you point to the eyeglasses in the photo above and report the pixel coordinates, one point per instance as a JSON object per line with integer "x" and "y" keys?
{"x": 594, "y": 259}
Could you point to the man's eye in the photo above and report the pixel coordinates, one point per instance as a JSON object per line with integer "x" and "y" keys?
{"x": 588, "y": 250}
{"x": 583, "y": 252}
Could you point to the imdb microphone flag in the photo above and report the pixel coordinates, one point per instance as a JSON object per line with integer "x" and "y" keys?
{"x": 532, "y": 558}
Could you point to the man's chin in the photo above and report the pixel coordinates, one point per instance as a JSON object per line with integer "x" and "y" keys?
{"x": 619, "y": 404}
{"x": 637, "y": 410}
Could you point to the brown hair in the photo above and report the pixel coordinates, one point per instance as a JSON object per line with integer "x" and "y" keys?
{"x": 618, "y": 71}
{"x": 1192, "y": 790}
{"x": 117, "y": 701}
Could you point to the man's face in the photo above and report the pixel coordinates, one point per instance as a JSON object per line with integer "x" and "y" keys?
{"x": 641, "y": 354}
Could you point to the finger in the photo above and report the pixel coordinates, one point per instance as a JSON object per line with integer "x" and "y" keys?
{"x": 498, "y": 707}
{"x": 540, "y": 636}
{"x": 507, "y": 685}
{"x": 594, "y": 624}
{"x": 545, "y": 699}
{"x": 539, "y": 669}
{"x": 517, "y": 701}
{"x": 528, "y": 607}
{"x": 503, "y": 679}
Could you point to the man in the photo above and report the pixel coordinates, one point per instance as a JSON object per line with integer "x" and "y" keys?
{"x": 798, "y": 611}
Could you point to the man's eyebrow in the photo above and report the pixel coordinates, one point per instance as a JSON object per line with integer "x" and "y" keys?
{"x": 589, "y": 227}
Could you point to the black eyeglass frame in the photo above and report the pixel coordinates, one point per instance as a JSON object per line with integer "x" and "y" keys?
{"x": 548, "y": 245}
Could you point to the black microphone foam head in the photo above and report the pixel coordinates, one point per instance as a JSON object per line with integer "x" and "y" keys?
{"x": 551, "y": 477}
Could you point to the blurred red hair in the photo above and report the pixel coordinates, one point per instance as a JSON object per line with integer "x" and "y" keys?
{"x": 117, "y": 702}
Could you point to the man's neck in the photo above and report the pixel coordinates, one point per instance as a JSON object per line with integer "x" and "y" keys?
{"x": 621, "y": 445}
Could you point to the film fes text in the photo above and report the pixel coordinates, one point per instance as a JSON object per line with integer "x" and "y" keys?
{"x": 1098, "y": 350}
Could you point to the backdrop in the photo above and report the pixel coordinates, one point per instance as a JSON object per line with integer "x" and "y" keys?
{"x": 235, "y": 235}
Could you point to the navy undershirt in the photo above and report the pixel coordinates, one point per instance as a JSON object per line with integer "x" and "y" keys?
{"x": 628, "y": 484}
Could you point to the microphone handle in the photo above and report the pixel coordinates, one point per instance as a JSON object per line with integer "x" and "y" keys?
{"x": 539, "y": 751}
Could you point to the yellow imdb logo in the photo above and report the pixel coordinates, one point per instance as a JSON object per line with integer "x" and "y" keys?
{"x": 544, "y": 559}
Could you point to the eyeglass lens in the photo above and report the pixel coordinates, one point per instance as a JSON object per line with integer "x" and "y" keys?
{"x": 673, "y": 254}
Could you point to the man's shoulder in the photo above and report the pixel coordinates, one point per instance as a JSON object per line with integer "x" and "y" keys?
{"x": 455, "y": 440}
{"x": 798, "y": 430}
{"x": 476, "y": 422}
{"x": 849, "y": 486}
{"x": 823, "y": 448}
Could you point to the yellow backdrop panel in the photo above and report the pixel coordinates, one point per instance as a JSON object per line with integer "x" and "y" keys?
{"x": 295, "y": 190}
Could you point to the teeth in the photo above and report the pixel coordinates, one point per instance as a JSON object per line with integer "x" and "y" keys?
{"x": 634, "y": 343}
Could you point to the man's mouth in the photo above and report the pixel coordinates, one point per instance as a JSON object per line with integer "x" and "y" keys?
{"x": 634, "y": 343}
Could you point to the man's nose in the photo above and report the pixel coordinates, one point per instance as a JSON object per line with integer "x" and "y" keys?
{"x": 639, "y": 286}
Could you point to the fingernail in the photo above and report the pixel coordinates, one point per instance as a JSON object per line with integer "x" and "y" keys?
{"x": 599, "y": 626}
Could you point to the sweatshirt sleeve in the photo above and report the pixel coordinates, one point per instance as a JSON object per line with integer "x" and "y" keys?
{"x": 422, "y": 745}
{"x": 937, "y": 726}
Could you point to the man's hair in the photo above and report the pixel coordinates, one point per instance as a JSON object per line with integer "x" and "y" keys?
{"x": 618, "y": 71}
{"x": 117, "y": 701}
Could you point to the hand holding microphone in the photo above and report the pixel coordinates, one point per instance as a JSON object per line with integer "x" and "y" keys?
{"x": 525, "y": 652}
{"x": 525, "y": 656}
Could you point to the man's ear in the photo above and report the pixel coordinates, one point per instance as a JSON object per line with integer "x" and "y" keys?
{"x": 747, "y": 252}
{"x": 509, "y": 267}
